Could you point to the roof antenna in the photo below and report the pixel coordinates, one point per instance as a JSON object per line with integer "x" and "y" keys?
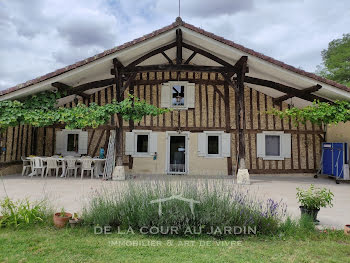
{"x": 179, "y": 8}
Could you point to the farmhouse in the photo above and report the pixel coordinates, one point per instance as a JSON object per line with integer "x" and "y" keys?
{"x": 219, "y": 92}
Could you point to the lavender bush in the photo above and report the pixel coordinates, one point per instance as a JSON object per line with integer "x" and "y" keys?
{"x": 221, "y": 208}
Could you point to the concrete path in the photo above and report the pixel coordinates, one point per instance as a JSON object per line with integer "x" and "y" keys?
{"x": 72, "y": 194}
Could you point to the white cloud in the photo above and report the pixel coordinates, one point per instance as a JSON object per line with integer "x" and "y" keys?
{"x": 39, "y": 36}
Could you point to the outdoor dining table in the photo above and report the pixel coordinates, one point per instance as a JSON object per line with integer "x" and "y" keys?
{"x": 98, "y": 164}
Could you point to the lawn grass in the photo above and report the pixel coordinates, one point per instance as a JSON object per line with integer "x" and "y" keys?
{"x": 46, "y": 244}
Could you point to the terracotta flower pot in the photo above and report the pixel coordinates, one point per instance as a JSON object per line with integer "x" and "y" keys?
{"x": 347, "y": 229}
{"x": 61, "y": 221}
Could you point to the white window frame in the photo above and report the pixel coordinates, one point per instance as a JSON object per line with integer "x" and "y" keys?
{"x": 213, "y": 133}
{"x": 65, "y": 134}
{"x": 136, "y": 134}
{"x": 273, "y": 133}
{"x": 178, "y": 83}
{"x": 130, "y": 146}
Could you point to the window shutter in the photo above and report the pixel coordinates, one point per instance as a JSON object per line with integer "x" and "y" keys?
{"x": 59, "y": 142}
{"x": 165, "y": 96}
{"x": 129, "y": 143}
{"x": 190, "y": 95}
{"x": 286, "y": 143}
{"x": 83, "y": 142}
{"x": 202, "y": 144}
{"x": 226, "y": 145}
{"x": 153, "y": 143}
{"x": 260, "y": 145}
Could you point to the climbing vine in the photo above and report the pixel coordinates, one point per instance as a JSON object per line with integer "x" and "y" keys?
{"x": 318, "y": 113}
{"x": 41, "y": 110}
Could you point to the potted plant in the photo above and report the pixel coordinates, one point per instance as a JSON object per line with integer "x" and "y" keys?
{"x": 347, "y": 229}
{"x": 313, "y": 199}
{"x": 60, "y": 219}
{"x": 75, "y": 220}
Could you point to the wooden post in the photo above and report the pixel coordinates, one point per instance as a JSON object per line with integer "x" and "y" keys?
{"x": 131, "y": 123}
{"x": 240, "y": 115}
{"x": 119, "y": 128}
{"x": 227, "y": 123}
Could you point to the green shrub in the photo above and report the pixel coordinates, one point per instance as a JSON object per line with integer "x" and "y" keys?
{"x": 22, "y": 212}
{"x": 220, "y": 206}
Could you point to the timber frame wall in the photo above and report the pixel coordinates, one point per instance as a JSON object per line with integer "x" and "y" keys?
{"x": 215, "y": 109}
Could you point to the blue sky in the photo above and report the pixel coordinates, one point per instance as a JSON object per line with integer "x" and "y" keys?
{"x": 39, "y": 36}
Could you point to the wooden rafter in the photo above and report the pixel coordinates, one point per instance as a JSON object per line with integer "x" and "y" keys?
{"x": 305, "y": 91}
{"x": 190, "y": 58}
{"x": 167, "y": 57}
{"x": 150, "y": 54}
{"x": 95, "y": 84}
{"x": 178, "y": 46}
{"x": 207, "y": 54}
{"x": 284, "y": 88}
{"x": 117, "y": 63}
{"x": 69, "y": 90}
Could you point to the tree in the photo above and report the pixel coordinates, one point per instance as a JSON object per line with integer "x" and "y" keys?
{"x": 336, "y": 61}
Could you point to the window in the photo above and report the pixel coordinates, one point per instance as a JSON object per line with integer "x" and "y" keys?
{"x": 273, "y": 145}
{"x": 178, "y": 98}
{"x": 142, "y": 143}
{"x": 213, "y": 144}
{"x": 72, "y": 142}
{"x": 178, "y": 95}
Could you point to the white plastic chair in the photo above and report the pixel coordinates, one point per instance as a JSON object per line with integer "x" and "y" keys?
{"x": 52, "y": 164}
{"x": 86, "y": 165}
{"x": 38, "y": 165}
{"x": 71, "y": 166}
{"x": 26, "y": 165}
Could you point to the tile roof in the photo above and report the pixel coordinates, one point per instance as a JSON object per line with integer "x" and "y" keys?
{"x": 177, "y": 23}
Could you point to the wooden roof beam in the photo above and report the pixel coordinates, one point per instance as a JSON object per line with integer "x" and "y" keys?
{"x": 305, "y": 91}
{"x": 190, "y": 58}
{"x": 284, "y": 88}
{"x": 167, "y": 57}
{"x": 169, "y": 67}
{"x": 178, "y": 46}
{"x": 95, "y": 84}
{"x": 208, "y": 55}
{"x": 150, "y": 54}
{"x": 117, "y": 63}
{"x": 70, "y": 90}
{"x": 240, "y": 68}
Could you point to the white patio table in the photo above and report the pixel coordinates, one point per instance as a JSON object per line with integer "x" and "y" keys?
{"x": 98, "y": 164}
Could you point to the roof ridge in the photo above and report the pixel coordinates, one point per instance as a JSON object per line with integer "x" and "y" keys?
{"x": 178, "y": 22}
